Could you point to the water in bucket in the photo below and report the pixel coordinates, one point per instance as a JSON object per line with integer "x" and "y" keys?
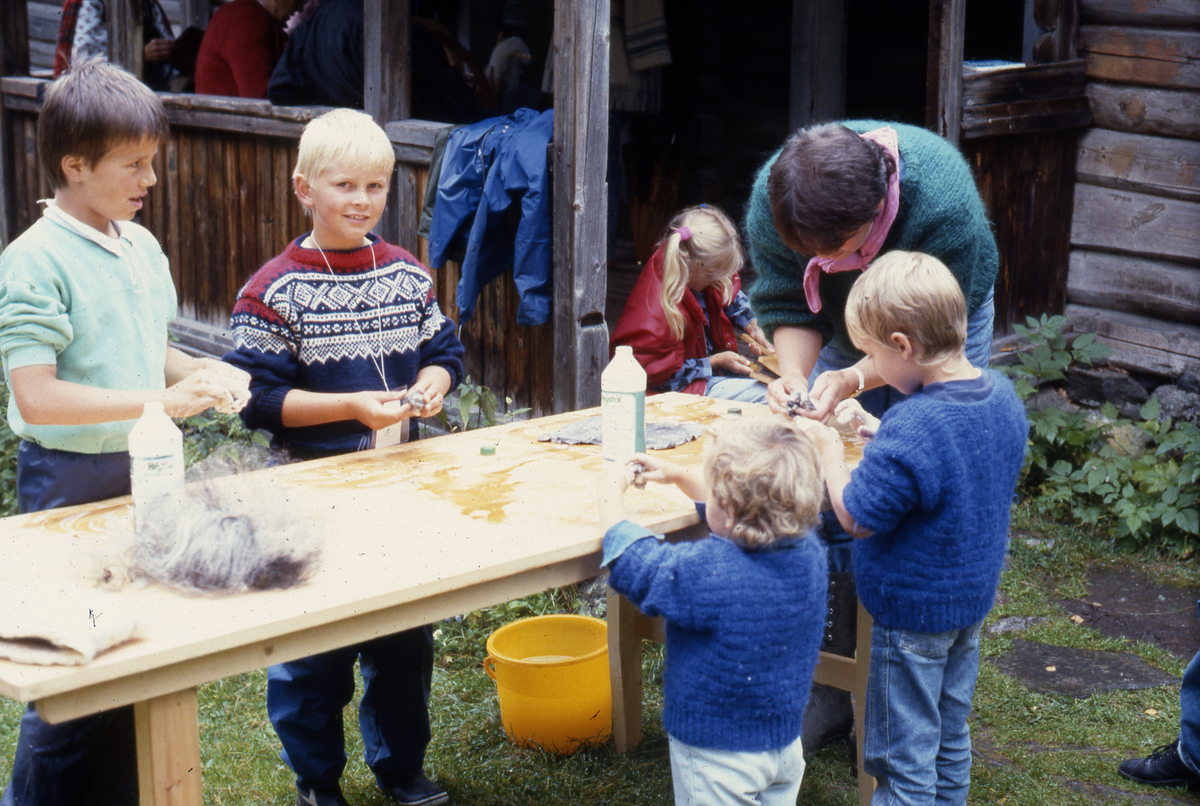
{"x": 552, "y": 680}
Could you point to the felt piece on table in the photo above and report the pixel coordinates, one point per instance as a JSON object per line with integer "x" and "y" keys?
{"x": 659, "y": 436}
{"x": 79, "y": 623}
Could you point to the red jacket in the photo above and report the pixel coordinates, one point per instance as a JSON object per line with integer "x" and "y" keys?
{"x": 239, "y": 50}
{"x": 643, "y": 326}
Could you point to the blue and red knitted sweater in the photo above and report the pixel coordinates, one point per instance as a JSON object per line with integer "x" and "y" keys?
{"x": 343, "y": 327}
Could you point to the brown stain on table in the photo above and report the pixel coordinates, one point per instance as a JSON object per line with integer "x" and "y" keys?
{"x": 80, "y": 521}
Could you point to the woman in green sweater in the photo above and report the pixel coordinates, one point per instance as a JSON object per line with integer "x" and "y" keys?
{"x": 822, "y": 208}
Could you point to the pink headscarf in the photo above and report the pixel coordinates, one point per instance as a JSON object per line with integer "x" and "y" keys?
{"x": 885, "y": 137}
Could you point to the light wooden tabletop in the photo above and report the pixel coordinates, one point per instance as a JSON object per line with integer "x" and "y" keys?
{"x": 411, "y": 534}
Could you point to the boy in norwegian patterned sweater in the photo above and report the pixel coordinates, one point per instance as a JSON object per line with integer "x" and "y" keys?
{"x": 344, "y": 341}
{"x": 744, "y": 608}
{"x": 930, "y": 503}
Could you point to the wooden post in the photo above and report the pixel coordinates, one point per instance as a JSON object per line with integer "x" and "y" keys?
{"x": 818, "y": 62}
{"x": 387, "y": 97}
{"x": 943, "y": 83}
{"x": 126, "y": 46}
{"x": 581, "y": 43}
{"x": 14, "y": 40}
{"x": 168, "y": 750}
{"x": 1060, "y": 23}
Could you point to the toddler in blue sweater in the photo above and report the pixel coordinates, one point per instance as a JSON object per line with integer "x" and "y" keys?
{"x": 930, "y": 501}
{"x": 743, "y": 607}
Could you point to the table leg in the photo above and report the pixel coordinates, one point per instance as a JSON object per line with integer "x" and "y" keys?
{"x": 168, "y": 749}
{"x": 625, "y": 671}
{"x": 862, "y": 668}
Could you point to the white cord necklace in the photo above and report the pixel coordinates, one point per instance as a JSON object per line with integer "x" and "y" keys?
{"x": 377, "y": 362}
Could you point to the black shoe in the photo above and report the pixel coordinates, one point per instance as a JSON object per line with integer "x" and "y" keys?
{"x": 1163, "y": 767}
{"x": 828, "y": 718}
{"x": 324, "y": 796}
{"x": 415, "y": 790}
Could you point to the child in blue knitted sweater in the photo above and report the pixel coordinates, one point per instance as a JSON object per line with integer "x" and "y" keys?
{"x": 930, "y": 503}
{"x": 744, "y": 608}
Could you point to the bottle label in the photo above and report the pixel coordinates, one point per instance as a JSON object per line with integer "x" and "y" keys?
{"x": 623, "y": 424}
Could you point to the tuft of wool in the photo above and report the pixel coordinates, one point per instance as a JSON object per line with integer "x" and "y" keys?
{"x": 226, "y": 538}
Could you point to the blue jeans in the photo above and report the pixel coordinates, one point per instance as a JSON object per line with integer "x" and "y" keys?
{"x": 92, "y": 759}
{"x": 1189, "y": 714}
{"x": 305, "y": 699}
{"x": 917, "y": 744}
{"x": 743, "y": 390}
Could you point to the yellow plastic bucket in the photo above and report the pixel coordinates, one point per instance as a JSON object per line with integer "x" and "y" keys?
{"x": 551, "y": 676}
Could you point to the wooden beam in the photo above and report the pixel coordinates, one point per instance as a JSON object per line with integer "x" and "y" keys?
{"x": 1144, "y": 110}
{"x": 580, "y": 157}
{"x": 1059, "y": 20}
{"x": 14, "y": 38}
{"x": 1155, "y": 288}
{"x": 1024, "y": 117}
{"x": 387, "y": 97}
{"x": 125, "y": 37}
{"x": 1168, "y": 59}
{"x": 1155, "y": 13}
{"x": 943, "y": 83}
{"x": 818, "y": 75}
{"x": 1029, "y": 83}
{"x": 1135, "y": 223}
{"x": 1139, "y": 342}
{"x": 1161, "y": 166}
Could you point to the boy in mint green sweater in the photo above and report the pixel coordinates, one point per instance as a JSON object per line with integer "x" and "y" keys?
{"x": 85, "y": 299}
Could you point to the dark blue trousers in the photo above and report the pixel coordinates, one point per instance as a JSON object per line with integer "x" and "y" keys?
{"x": 305, "y": 699}
{"x": 91, "y": 760}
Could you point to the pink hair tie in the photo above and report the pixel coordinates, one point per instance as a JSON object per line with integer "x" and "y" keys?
{"x": 684, "y": 233}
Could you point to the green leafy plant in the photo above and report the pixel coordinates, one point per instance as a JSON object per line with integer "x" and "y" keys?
{"x": 475, "y": 406}
{"x": 210, "y": 432}
{"x": 1046, "y": 352}
{"x": 1138, "y": 478}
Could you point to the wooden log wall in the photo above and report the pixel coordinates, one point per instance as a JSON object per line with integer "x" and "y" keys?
{"x": 1134, "y": 273}
{"x": 1018, "y": 129}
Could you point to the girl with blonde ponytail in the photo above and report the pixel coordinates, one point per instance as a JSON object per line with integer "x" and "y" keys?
{"x": 681, "y": 316}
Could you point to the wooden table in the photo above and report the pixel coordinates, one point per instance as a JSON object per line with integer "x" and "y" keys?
{"x": 412, "y": 534}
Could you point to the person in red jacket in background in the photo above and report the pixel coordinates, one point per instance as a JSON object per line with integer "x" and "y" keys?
{"x": 681, "y": 314}
{"x": 241, "y": 45}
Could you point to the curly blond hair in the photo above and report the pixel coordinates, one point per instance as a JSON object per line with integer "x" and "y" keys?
{"x": 764, "y": 471}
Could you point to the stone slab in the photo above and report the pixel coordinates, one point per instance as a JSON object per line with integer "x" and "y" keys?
{"x": 1050, "y": 669}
